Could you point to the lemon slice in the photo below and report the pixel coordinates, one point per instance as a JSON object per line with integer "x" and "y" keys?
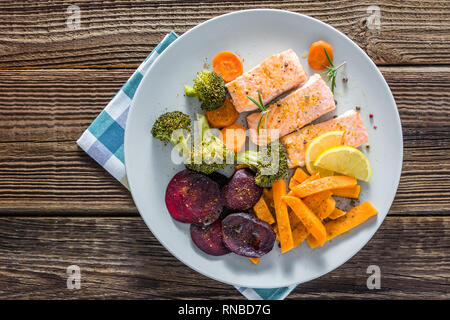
{"x": 317, "y": 146}
{"x": 346, "y": 160}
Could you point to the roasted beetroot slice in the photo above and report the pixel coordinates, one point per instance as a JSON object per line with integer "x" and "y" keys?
{"x": 241, "y": 192}
{"x": 246, "y": 235}
{"x": 209, "y": 239}
{"x": 192, "y": 197}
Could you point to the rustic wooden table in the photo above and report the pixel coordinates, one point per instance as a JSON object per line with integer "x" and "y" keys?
{"x": 59, "y": 208}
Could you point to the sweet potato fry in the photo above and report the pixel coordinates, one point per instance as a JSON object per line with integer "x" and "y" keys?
{"x": 275, "y": 229}
{"x": 352, "y": 192}
{"x": 299, "y": 232}
{"x": 293, "y": 219}
{"x": 262, "y": 211}
{"x": 313, "y": 177}
{"x": 300, "y": 175}
{"x": 254, "y": 260}
{"x": 307, "y": 217}
{"x": 354, "y": 217}
{"x": 322, "y": 204}
{"x": 337, "y": 213}
{"x": 293, "y": 183}
{"x": 284, "y": 227}
{"x": 327, "y": 183}
{"x": 268, "y": 196}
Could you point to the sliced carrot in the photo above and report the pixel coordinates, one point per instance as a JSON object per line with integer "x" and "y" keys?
{"x": 224, "y": 116}
{"x": 307, "y": 217}
{"x": 353, "y": 218}
{"x": 262, "y": 211}
{"x": 322, "y": 204}
{"x": 300, "y": 175}
{"x": 337, "y": 213}
{"x": 327, "y": 183}
{"x": 352, "y": 192}
{"x": 317, "y": 58}
{"x": 293, "y": 183}
{"x": 234, "y": 137}
{"x": 228, "y": 65}
{"x": 254, "y": 260}
{"x": 281, "y": 212}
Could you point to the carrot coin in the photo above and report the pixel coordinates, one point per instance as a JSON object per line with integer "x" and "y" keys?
{"x": 317, "y": 58}
{"x": 228, "y": 65}
{"x": 234, "y": 137}
{"x": 223, "y": 116}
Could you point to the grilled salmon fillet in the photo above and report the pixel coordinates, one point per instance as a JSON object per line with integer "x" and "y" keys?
{"x": 272, "y": 77}
{"x": 294, "y": 111}
{"x": 350, "y": 122}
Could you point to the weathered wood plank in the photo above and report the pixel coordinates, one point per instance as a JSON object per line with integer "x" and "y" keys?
{"x": 45, "y": 111}
{"x": 35, "y": 34}
{"x": 119, "y": 258}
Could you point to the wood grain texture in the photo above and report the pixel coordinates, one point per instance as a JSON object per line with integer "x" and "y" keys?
{"x": 58, "y": 207}
{"x": 122, "y": 32}
{"x": 119, "y": 258}
{"x": 42, "y": 171}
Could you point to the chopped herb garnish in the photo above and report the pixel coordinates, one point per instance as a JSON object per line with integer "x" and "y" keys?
{"x": 261, "y": 107}
{"x": 332, "y": 71}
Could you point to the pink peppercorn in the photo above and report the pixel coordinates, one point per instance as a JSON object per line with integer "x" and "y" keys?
{"x": 375, "y": 127}
{"x": 371, "y": 115}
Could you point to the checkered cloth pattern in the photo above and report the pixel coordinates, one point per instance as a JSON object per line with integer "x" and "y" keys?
{"x": 104, "y": 141}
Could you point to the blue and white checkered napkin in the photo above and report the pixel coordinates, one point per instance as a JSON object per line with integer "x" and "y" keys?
{"x": 104, "y": 138}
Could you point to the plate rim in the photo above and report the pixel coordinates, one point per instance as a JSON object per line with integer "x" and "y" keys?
{"x": 377, "y": 71}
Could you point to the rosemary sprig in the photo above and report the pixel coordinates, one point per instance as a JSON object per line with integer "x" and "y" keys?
{"x": 263, "y": 109}
{"x": 332, "y": 71}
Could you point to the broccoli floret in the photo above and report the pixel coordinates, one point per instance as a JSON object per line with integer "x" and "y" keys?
{"x": 167, "y": 123}
{"x": 209, "y": 88}
{"x": 209, "y": 153}
{"x": 206, "y": 156}
{"x": 270, "y": 166}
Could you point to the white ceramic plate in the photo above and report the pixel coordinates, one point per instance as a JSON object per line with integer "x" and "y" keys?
{"x": 255, "y": 35}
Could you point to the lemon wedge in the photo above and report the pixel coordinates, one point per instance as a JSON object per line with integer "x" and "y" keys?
{"x": 318, "y": 146}
{"x": 345, "y": 160}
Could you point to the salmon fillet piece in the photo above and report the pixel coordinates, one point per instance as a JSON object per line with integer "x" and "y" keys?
{"x": 294, "y": 111}
{"x": 272, "y": 77}
{"x": 350, "y": 122}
